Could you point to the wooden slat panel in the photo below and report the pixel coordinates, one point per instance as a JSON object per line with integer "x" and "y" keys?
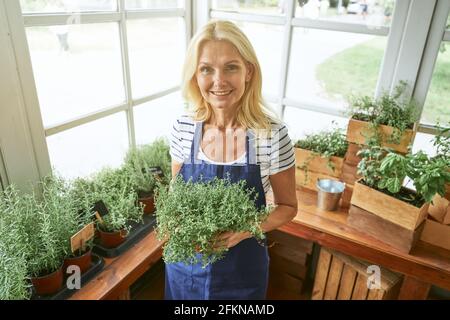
{"x": 320, "y": 280}
{"x": 334, "y": 277}
{"x": 290, "y": 241}
{"x": 290, "y": 254}
{"x": 284, "y": 265}
{"x": 347, "y": 283}
{"x": 414, "y": 289}
{"x": 376, "y": 294}
{"x": 285, "y": 281}
{"x": 360, "y": 291}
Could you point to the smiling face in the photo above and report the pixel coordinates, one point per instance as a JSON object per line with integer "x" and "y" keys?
{"x": 222, "y": 74}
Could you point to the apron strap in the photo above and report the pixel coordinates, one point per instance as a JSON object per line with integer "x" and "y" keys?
{"x": 196, "y": 142}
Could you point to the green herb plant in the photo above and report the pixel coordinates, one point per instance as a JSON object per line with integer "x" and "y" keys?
{"x": 191, "y": 215}
{"x": 389, "y": 110}
{"x": 325, "y": 144}
{"x": 14, "y": 284}
{"x": 386, "y": 171}
{"x": 139, "y": 160}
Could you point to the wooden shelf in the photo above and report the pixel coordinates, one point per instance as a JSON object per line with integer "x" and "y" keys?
{"x": 121, "y": 272}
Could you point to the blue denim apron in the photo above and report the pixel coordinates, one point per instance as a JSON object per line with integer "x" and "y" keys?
{"x": 243, "y": 272}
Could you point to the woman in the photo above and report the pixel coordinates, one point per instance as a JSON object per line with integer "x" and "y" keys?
{"x": 230, "y": 134}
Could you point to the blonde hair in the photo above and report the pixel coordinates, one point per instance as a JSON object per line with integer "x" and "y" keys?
{"x": 253, "y": 112}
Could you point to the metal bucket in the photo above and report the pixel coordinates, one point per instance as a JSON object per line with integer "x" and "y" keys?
{"x": 330, "y": 192}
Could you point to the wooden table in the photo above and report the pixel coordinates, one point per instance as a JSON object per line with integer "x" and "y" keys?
{"x": 424, "y": 266}
{"x": 120, "y": 273}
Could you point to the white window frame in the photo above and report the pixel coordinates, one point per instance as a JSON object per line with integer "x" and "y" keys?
{"x": 39, "y": 160}
{"x": 406, "y": 51}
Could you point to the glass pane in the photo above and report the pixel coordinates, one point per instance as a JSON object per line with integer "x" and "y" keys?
{"x": 327, "y": 66}
{"x": 155, "y": 118}
{"x": 272, "y": 7}
{"x": 269, "y": 56}
{"x": 86, "y": 149}
{"x": 153, "y": 4}
{"x": 157, "y": 48}
{"x": 424, "y": 142}
{"x": 373, "y": 13}
{"x": 437, "y": 104}
{"x": 77, "y": 68}
{"x": 303, "y": 122}
{"x": 58, "y": 6}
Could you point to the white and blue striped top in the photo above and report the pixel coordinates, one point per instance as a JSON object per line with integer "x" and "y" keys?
{"x": 274, "y": 153}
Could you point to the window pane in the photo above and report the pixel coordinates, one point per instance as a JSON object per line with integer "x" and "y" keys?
{"x": 154, "y": 4}
{"x": 269, "y": 56}
{"x": 437, "y": 104}
{"x": 86, "y": 149}
{"x": 327, "y": 66}
{"x": 424, "y": 142}
{"x": 157, "y": 48}
{"x": 251, "y": 6}
{"x": 77, "y": 69}
{"x": 302, "y": 122}
{"x": 58, "y": 6}
{"x": 155, "y": 118}
{"x": 374, "y": 13}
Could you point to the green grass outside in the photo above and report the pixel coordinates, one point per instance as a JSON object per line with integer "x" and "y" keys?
{"x": 355, "y": 71}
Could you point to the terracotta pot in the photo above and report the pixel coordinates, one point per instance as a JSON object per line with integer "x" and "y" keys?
{"x": 148, "y": 200}
{"x": 48, "y": 284}
{"x": 112, "y": 239}
{"x": 83, "y": 261}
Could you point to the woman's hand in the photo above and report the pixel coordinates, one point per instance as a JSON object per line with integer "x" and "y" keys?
{"x": 229, "y": 239}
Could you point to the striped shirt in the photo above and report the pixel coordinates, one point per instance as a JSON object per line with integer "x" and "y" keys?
{"x": 274, "y": 153}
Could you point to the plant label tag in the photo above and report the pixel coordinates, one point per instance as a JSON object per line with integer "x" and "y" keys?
{"x": 99, "y": 217}
{"x": 79, "y": 239}
{"x": 100, "y": 207}
{"x": 157, "y": 172}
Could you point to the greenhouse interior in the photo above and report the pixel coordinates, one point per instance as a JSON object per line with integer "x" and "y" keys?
{"x": 127, "y": 127}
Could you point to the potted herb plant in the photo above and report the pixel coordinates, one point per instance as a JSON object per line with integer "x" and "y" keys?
{"x": 141, "y": 163}
{"x": 320, "y": 156}
{"x": 381, "y": 191}
{"x": 437, "y": 225}
{"x": 388, "y": 121}
{"x": 190, "y": 216}
{"x": 114, "y": 227}
{"x": 14, "y": 280}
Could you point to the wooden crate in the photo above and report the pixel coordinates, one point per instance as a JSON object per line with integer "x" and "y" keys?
{"x": 388, "y": 208}
{"x": 340, "y": 277}
{"x": 358, "y": 130}
{"x": 289, "y": 262}
{"x": 436, "y": 233}
{"x": 390, "y": 233}
{"x": 317, "y": 168}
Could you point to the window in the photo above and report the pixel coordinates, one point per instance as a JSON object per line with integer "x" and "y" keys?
{"x": 100, "y": 72}
{"x": 320, "y": 52}
{"x": 268, "y": 7}
{"x": 437, "y": 104}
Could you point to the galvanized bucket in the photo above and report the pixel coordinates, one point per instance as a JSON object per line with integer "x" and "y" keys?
{"x": 330, "y": 192}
